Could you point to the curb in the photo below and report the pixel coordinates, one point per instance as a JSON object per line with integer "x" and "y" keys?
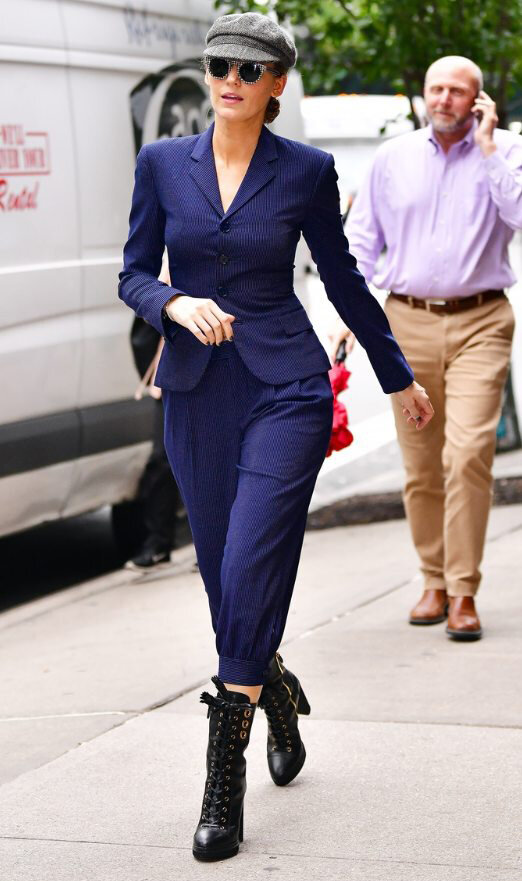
{"x": 377, "y": 507}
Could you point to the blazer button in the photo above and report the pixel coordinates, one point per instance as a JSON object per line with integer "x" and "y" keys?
{"x": 223, "y": 290}
{"x": 223, "y": 259}
{"x": 225, "y": 226}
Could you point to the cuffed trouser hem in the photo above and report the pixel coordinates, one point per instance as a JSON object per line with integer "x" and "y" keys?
{"x": 434, "y": 582}
{"x": 238, "y": 672}
{"x": 462, "y": 589}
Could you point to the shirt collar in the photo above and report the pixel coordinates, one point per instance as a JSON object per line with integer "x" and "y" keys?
{"x": 464, "y": 143}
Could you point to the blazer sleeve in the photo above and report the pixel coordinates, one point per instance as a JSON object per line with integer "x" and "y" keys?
{"x": 139, "y": 287}
{"x": 345, "y": 286}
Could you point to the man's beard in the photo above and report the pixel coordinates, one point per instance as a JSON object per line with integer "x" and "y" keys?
{"x": 452, "y": 123}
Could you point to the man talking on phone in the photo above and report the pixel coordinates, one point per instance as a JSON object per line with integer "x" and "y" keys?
{"x": 442, "y": 203}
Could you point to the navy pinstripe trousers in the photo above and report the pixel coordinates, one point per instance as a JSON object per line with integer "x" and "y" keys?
{"x": 246, "y": 455}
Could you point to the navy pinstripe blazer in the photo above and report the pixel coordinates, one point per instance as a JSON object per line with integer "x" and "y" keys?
{"x": 244, "y": 258}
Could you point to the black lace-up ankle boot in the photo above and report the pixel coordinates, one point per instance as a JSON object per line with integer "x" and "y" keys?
{"x": 282, "y": 698}
{"x": 220, "y": 828}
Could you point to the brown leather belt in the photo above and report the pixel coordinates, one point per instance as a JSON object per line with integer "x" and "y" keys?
{"x": 449, "y": 307}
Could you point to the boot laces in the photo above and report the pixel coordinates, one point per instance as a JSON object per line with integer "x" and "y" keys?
{"x": 215, "y": 800}
{"x": 277, "y": 725}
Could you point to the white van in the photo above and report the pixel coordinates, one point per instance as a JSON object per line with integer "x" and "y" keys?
{"x": 84, "y": 84}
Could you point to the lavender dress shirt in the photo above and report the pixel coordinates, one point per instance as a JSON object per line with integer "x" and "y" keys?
{"x": 445, "y": 220}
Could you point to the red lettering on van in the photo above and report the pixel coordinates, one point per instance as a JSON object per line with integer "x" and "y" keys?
{"x": 34, "y": 159}
{"x": 12, "y": 135}
{"x": 24, "y": 200}
{"x": 23, "y": 152}
{"x": 9, "y": 159}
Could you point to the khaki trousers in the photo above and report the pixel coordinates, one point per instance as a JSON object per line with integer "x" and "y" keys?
{"x": 462, "y": 361}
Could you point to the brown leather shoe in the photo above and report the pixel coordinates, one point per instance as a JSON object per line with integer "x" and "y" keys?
{"x": 431, "y": 609}
{"x": 463, "y": 620}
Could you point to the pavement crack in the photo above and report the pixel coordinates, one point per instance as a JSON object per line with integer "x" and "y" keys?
{"x": 350, "y": 611}
{"x": 272, "y": 854}
{"x": 93, "y": 841}
{"x": 174, "y": 697}
{"x": 425, "y": 723}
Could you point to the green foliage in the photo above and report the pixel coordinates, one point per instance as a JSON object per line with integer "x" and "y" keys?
{"x": 396, "y": 40}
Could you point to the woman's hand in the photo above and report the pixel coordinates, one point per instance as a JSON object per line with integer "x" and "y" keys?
{"x": 202, "y": 317}
{"x": 339, "y": 332}
{"x": 416, "y": 406}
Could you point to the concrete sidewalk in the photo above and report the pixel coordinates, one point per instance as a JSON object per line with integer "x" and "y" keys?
{"x": 414, "y": 743}
{"x": 365, "y": 486}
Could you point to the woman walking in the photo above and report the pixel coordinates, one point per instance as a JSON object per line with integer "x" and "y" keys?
{"x": 247, "y": 400}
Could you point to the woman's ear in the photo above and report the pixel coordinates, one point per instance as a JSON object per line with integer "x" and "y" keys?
{"x": 279, "y": 86}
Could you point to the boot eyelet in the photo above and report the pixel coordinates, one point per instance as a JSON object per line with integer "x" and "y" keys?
{"x": 244, "y": 724}
{"x": 242, "y": 734}
{"x": 247, "y": 714}
{"x": 226, "y": 798}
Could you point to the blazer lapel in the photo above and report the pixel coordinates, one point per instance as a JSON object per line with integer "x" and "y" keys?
{"x": 204, "y": 170}
{"x": 259, "y": 172}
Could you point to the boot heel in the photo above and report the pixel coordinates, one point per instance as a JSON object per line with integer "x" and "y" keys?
{"x": 241, "y": 826}
{"x": 303, "y": 707}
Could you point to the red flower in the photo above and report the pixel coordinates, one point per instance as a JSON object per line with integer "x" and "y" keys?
{"x": 341, "y": 436}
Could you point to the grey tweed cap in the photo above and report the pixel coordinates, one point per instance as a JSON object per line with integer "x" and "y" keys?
{"x": 249, "y": 36}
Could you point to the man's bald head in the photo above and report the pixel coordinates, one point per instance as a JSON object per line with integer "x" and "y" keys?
{"x": 457, "y": 65}
{"x": 451, "y": 87}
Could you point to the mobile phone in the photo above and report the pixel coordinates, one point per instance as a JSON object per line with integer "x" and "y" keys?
{"x": 478, "y": 114}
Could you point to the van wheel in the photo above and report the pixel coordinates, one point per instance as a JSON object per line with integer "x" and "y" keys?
{"x": 127, "y": 528}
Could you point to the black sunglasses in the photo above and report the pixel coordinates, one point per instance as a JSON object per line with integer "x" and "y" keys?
{"x": 249, "y": 72}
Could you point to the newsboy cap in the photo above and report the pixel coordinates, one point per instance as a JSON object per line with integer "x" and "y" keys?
{"x": 249, "y": 36}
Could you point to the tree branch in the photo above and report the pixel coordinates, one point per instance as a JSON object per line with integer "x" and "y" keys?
{"x": 346, "y": 8}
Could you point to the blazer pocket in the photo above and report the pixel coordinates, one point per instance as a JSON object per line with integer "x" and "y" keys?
{"x": 295, "y": 322}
